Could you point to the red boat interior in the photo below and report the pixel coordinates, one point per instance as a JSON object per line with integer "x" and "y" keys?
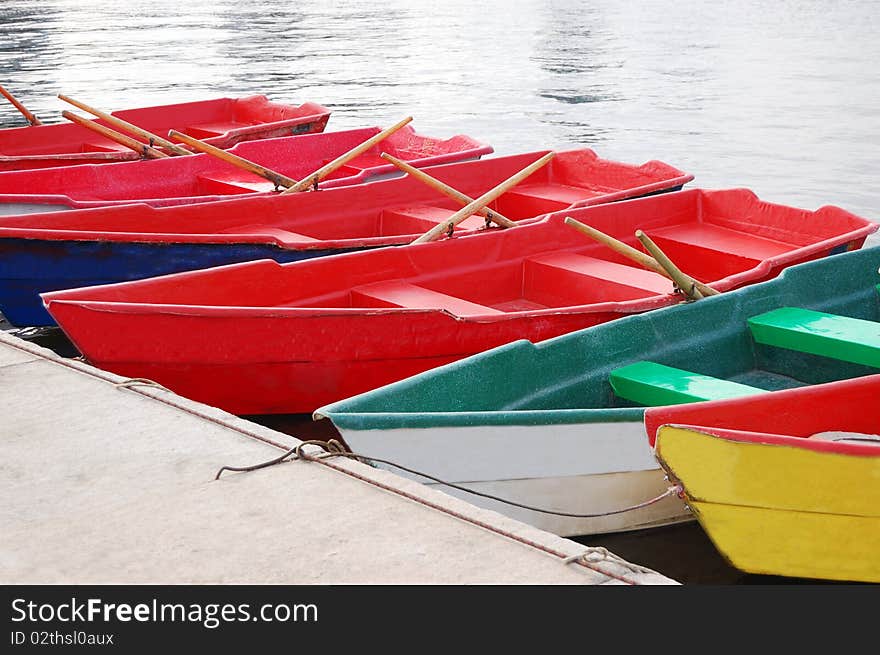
{"x": 389, "y": 208}
{"x": 204, "y": 174}
{"x": 711, "y": 235}
{"x": 846, "y": 406}
{"x": 202, "y": 119}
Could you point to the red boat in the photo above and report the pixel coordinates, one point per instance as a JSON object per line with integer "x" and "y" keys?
{"x": 261, "y": 337}
{"x": 84, "y": 247}
{"x": 221, "y": 122}
{"x": 201, "y": 178}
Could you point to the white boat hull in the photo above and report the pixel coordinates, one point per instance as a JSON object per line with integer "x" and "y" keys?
{"x": 591, "y": 468}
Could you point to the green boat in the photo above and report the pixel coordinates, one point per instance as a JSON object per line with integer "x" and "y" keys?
{"x": 559, "y": 424}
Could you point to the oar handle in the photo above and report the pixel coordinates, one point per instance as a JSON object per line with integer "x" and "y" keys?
{"x": 618, "y": 246}
{"x": 324, "y": 171}
{"x": 277, "y": 179}
{"x": 447, "y": 190}
{"x": 475, "y": 205}
{"x": 33, "y": 120}
{"x": 154, "y": 139}
{"x": 693, "y": 288}
{"x": 141, "y": 148}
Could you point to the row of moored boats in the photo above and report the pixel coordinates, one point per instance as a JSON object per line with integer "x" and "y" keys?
{"x": 581, "y": 337}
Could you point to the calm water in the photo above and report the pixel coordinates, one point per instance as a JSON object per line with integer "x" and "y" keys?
{"x": 779, "y": 97}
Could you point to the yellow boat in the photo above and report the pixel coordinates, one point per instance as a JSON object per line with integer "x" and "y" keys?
{"x": 784, "y": 483}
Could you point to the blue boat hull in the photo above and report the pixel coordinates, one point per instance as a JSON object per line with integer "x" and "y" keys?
{"x": 29, "y": 267}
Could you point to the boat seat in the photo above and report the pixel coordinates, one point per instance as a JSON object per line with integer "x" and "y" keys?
{"x": 652, "y": 385}
{"x": 217, "y": 184}
{"x": 207, "y": 130}
{"x": 398, "y": 293}
{"x": 527, "y": 200}
{"x": 102, "y": 147}
{"x": 421, "y": 218}
{"x": 562, "y": 193}
{"x": 721, "y": 240}
{"x": 566, "y": 278}
{"x": 283, "y": 236}
{"x": 817, "y": 333}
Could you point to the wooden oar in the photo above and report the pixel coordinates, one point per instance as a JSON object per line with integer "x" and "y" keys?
{"x": 628, "y": 251}
{"x": 618, "y": 246}
{"x": 691, "y": 287}
{"x": 445, "y": 189}
{"x": 313, "y": 179}
{"x": 154, "y": 139}
{"x": 33, "y": 120}
{"x": 475, "y": 205}
{"x": 277, "y": 179}
{"x": 113, "y": 135}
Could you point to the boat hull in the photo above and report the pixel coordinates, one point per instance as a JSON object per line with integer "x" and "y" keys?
{"x": 204, "y": 178}
{"x": 381, "y": 213}
{"x": 780, "y": 509}
{"x": 29, "y": 267}
{"x": 301, "y": 341}
{"x": 594, "y": 469}
{"x": 565, "y": 380}
{"x": 292, "y": 364}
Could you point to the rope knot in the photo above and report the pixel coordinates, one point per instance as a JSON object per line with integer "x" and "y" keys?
{"x": 599, "y": 554}
{"x": 332, "y": 448}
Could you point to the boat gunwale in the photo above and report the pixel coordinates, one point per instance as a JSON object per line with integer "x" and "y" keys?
{"x": 476, "y": 418}
{"x": 771, "y": 439}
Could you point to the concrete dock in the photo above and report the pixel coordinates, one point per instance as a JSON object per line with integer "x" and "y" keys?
{"x": 111, "y": 481}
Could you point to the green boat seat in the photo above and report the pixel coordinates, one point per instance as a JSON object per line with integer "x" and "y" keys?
{"x": 397, "y": 293}
{"x": 817, "y": 333}
{"x": 652, "y": 385}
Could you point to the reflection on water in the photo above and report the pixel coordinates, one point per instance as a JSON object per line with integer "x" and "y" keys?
{"x": 779, "y": 97}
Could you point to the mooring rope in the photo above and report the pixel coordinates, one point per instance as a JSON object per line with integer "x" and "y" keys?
{"x": 140, "y": 382}
{"x": 185, "y": 407}
{"x": 598, "y": 554}
{"x": 334, "y": 448}
{"x": 590, "y": 558}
